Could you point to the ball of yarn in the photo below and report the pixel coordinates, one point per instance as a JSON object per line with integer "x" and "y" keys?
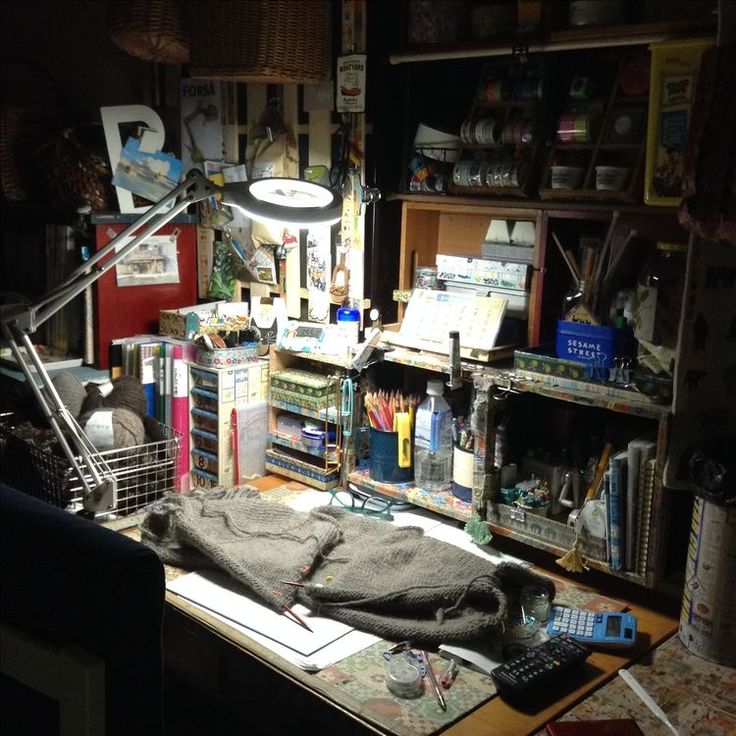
{"x": 71, "y": 391}
{"x": 127, "y": 393}
{"x": 122, "y": 428}
{"x": 93, "y": 400}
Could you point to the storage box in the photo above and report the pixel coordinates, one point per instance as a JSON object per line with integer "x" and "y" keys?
{"x": 584, "y": 343}
{"x": 542, "y": 359}
{"x": 227, "y": 357}
{"x": 185, "y": 321}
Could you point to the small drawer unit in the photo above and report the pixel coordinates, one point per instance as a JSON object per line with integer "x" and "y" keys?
{"x": 214, "y": 395}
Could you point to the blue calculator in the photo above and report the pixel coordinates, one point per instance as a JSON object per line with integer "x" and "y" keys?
{"x": 593, "y": 627}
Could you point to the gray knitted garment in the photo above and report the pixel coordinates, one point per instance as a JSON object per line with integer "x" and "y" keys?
{"x": 388, "y": 580}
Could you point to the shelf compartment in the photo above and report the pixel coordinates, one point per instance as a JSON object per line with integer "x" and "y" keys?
{"x": 551, "y": 536}
{"x": 286, "y": 440}
{"x": 293, "y": 467}
{"x": 329, "y": 414}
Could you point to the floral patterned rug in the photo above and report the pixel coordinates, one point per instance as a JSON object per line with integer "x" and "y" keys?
{"x": 698, "y": 696}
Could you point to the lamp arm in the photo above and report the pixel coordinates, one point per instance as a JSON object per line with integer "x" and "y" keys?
{"x": 18, "y": 323}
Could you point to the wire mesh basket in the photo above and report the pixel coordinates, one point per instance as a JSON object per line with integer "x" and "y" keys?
{"x": 143, "y": 472}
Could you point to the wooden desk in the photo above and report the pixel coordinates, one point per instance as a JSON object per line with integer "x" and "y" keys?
{"x": 265, "y": 689}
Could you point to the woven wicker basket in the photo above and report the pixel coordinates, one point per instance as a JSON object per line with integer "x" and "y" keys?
{"x": 266, "y": 41}
{"x": 153, "y": 30}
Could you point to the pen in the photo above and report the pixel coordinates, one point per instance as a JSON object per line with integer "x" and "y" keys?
{"x": 433, "y": 681}
{"x": 647, "y": 699}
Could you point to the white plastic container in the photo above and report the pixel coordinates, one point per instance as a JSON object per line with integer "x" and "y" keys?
{"x": 611, "y": 178}
{"x": 433, "y": 445}
{"x": 566, "y": 177}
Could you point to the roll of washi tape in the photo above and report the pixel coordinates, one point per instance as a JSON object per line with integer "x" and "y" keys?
{"x": 466, "y": 132}
{"x": 495, "y": 90}
{"x": 487, "y": 132}
{"x": 578, "y": 127}
{"x": 461, "y": 173}
{"x": 493, "y": 175}
{"x": 477, "y": 173}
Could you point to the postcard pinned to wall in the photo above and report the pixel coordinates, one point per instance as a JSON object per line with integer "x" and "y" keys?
{"x": 150, "y": 263}
{"x": 149, "y": 174}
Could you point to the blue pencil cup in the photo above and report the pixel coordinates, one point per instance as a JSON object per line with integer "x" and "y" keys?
{"x": 384, "y": 459}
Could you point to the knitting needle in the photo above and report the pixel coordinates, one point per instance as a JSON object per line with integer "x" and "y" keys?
{"x": 647, "y": 699}
{"x": 302, "y": 585}
{"x": 297, "y": 619}
{"x": 433, "y": 681}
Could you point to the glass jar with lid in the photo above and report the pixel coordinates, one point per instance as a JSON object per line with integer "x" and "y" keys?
{"x": 659, "y": 291}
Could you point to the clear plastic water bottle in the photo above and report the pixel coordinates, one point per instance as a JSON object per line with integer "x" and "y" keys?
{"x": 433, "y": 441}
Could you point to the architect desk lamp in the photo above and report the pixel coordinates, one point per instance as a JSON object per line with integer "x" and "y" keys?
{"x": 286, "y": 201}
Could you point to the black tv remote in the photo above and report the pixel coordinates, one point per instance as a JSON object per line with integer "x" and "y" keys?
{"x": 539, "y": 663}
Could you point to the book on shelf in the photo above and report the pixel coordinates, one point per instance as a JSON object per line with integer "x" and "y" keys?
{"x": 148, "y": 364}
{"x": 646, "y": 502}
{"x": 639, "y": 449}
{"x": 617, "y": 509}
{"x": 180, "y": 413}
{"x": 606, "y": 498}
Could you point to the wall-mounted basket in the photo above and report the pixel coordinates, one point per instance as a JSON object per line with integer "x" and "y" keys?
{"x": 152, "y": 30}
{"x": 261, "y": 41}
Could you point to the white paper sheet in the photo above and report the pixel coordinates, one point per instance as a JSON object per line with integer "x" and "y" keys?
{"x": 219, "y": 593}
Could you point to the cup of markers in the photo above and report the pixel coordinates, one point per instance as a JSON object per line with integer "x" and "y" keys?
{"x": 462, "y": 460}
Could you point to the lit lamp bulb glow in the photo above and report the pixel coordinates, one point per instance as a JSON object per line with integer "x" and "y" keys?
{"x": 284, "y": 201}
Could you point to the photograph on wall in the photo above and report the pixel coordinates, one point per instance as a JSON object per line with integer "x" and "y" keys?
{"x": 149, "y": 174}
{"x": 153, "y": 262}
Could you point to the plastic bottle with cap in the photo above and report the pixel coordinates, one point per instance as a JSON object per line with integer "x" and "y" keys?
{"x": 348, "y": 321}
{"x": 433, "y": 440}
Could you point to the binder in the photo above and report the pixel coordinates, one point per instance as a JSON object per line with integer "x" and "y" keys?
{"x": 180, "y": 415}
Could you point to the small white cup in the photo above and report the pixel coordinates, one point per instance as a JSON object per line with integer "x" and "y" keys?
{"x": 566, "y": 177}
{"x": 611, "y": 178}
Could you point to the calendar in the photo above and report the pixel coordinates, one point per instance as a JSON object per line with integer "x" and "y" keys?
{"x": 431, "y": 315}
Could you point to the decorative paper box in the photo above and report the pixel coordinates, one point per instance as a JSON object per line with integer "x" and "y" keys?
{"x": 227, "y": 357}
{"x": 585, "y": 343}
{"x": 184, "y": 322}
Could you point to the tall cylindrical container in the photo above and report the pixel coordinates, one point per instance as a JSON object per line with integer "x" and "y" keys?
{"x": 433, "y": 441}
{"x": 709, "y": 596}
